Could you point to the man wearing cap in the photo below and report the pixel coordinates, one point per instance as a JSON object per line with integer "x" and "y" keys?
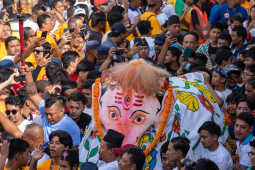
{"x": 150, "y": 15}
{"x": 112, "y": 139}
{"x": 159, "y": 41}
{"x": 143, "y": 50}
{"x": 91, "y": 50}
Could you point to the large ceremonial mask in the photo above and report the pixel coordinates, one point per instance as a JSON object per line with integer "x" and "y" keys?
{"x": 145, "y": 105}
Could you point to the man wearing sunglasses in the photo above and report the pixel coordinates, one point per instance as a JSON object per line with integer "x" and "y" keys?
{"x": 13, "y": 112}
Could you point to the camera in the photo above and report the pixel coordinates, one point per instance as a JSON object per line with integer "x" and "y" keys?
{"x": 84, "y": 29}
{"x": 119, "y": 51}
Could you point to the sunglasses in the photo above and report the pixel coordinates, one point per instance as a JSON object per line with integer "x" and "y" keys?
{"x": 14, "y": 112}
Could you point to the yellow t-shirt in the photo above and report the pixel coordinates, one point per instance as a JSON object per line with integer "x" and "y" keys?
{"x": 246, "y": 4}
{"x": 61, "y": 30}
{"x": 155, "y": 25}
{"x": 2, "y": 108}
{"x": 3, "y": 51}
{"x": 46, "y": 166}
{"x": 49, "y": 38}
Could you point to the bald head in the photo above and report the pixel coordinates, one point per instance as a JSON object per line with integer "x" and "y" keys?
{"x": 34, "y": 135}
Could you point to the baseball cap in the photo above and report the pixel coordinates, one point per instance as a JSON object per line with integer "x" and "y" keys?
{"x": 159, "y": 39}
{"x": 118, "y": 28}
{"x": 102, "y": 51}
{"x": 79, "y": 11}
{"x": 143, "y": 42}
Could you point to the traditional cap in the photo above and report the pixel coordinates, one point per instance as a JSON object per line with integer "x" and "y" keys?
{"x": 174, "y": 19}
{"x": 114, "y": 138}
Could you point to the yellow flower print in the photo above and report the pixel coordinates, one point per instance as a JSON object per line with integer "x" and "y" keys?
{"x": 188, "y": 99}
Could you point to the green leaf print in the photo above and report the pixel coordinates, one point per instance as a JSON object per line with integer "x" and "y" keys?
{"x": 86, "y": 145}
{"x": 93, "y": 152}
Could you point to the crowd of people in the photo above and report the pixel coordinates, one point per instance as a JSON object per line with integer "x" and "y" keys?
{"x": 46, "y": 89}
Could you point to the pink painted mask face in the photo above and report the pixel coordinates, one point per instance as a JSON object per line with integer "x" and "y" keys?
{"x": 128, "y": 112}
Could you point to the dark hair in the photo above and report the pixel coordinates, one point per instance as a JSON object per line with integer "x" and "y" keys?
{"x": 51, "y": 69}
{"x": 201, "y": 59}
{"x": 241, "y": 98}
{"x": 137, "y": 157}
{"x": 210, "y": 127}
{"x": 71, "y": 156}
{"x": 96, "y": 18}
{"x": 217, "y": 25}
{"x": 240, "y": 31}
{"x": 193, "y": 34}
{"x": 13, "y": 100}
{"x": 9, "y": 39}
{"x": 27, "y": 33}
{"x": 88, "y": 84}
{"x": 225, "y": 36}
{"x": 251, "y": 53}
{"x": 77, "y": 97}
{"x": 182, "y": 144}
{"x": 41, "y": 85}
{"x": 164, "y": 147}
{"x": 64, "y": 137}
{"x": 5, "y": 74}
{"x": 144, "y": 27}
{"x": 118, "y": 8}
{"x": 207, "y": 164}
{"x": 236, "y": 18}
{"x": 233, "y": 97}
{"x": 68, "y": 57}
{"x": 38, "y": 7}
{"x": 250, "y": 68}
{"x": 54, "y": 3}
{"x": 246, "y": 117}
{"x": 17, "y": 146}
{"x": 252, "y": 143}
{"x": 223, "y": 54}
{"x": 52, "y": 99}
{"x": 114, "y": 17}
{"x": 251, "y": 82}
{"x": 67, "y": 85}
{"x": 85, "y": 66}
{"x": 41, "y": 19}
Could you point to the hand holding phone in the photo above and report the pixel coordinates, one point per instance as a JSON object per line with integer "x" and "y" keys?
{"x": 44, "y": 34}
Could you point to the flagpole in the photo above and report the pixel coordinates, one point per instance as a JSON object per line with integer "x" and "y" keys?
{"x": 21, "y": 33}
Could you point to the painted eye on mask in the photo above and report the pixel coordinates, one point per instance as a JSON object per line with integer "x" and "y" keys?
{"x": 113, "y": 114}
{"x": 138, "y": 118}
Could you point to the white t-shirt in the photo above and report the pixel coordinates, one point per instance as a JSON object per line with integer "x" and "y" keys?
{"x": 242, "y": 150}
{"x": 162, "y": 18}
{"x": 220, "y": 156}
{"x": 223, "y": 95}
{"x": 168, "y": 10}
{"x": 132, "y": 14}
{"x": 23, "y": 125}
{"x": 9, "y": 57}
{"x": 109, "y": 166}
{"x": 33, "y": 25}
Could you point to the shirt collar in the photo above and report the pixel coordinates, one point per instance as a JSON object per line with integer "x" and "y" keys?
{"x": 248, "y": 139}
{"x": 132, "y": 9}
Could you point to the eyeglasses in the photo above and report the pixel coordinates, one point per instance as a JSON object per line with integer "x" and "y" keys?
{"x": 38, "y": 51}
{"x": 14, "y": 112}
{"x": 251, "y": 154}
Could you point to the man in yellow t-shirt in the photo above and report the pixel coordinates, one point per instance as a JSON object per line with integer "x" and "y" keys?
{"x": 45, "y": 24}
{"x": 151, "y": 15}
{"x": 18, "y": 156}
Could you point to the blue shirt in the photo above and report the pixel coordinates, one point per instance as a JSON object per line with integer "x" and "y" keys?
{"x": 66, "y": 123}
{"x": 224, "y": 13}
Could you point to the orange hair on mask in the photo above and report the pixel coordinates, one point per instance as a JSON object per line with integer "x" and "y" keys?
{"x": 139, "y": 75}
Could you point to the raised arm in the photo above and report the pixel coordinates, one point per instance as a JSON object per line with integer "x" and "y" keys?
{"x": 32, "y": 90}
{"x": 10, "y": 127}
